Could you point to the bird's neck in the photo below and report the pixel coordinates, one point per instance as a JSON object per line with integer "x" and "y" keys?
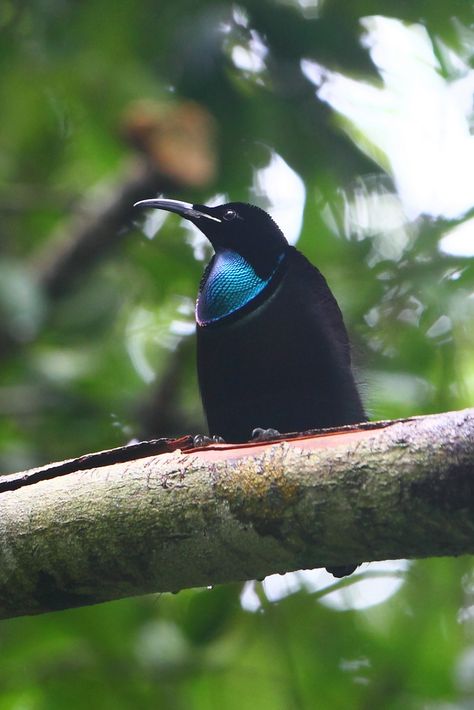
{"x": 229, "y": 285}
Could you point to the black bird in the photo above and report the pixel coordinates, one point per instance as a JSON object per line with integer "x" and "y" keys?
{"x": 272, "y": 348}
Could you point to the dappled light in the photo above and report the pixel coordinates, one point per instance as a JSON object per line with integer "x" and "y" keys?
{"x": 418, "y": 124}
{"x": 280, "y": 191}
{"x": 370, "y": 585}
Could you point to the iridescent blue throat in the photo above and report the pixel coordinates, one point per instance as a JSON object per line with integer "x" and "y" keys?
{"x": 230, "y": 284}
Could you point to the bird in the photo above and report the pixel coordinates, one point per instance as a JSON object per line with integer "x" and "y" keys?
{"x": 272, "y": 349}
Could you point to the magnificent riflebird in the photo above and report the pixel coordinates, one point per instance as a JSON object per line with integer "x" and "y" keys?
{"x": 272, "y": 348}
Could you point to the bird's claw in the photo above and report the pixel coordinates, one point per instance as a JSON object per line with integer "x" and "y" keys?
{"x": 259, "y": 434}
{"x": 205, "y": 440}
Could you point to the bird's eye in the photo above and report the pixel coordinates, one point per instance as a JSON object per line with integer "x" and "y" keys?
{"x": 229, "y": 214}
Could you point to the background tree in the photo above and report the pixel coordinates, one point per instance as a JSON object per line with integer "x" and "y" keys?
{"x": 351, "y": 122}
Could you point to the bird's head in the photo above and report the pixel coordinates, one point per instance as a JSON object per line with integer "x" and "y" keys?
{"x": 245, "y": 229}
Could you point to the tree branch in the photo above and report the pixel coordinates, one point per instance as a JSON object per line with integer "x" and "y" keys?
{"x": 95, "y": 231}
{"x": 231, "y": 512}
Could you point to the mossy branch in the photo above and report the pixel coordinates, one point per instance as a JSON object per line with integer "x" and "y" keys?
{"x": 227, "y": 513}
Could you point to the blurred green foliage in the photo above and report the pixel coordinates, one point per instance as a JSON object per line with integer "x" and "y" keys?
{"x": 111, "y": 356}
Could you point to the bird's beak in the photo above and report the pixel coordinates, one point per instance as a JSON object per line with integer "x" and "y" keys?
{"x": 184, "y": 209}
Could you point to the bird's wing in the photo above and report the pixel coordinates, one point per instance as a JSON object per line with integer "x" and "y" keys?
{"x": 317, "y": 292}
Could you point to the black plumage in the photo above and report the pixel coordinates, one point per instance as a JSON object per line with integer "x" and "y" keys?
{"x": 284, "y": 364}
{"x": 272, "y": 348}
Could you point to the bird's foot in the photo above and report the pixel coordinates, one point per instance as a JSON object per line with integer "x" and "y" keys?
{"x": 205, "y": 440}
{"x": 260, "y": 434}
{"x": 342, "y": 571}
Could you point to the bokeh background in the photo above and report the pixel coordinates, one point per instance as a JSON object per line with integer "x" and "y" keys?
{"x": 351, "y": 122}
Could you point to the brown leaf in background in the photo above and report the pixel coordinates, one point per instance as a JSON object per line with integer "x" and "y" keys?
{"x": 179, "y": 140}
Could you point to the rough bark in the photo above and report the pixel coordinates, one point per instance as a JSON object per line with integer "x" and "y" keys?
{"x": 227, "y": 513}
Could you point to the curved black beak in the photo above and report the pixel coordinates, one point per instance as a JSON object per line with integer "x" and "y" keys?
{"x": 184, "y": 209}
